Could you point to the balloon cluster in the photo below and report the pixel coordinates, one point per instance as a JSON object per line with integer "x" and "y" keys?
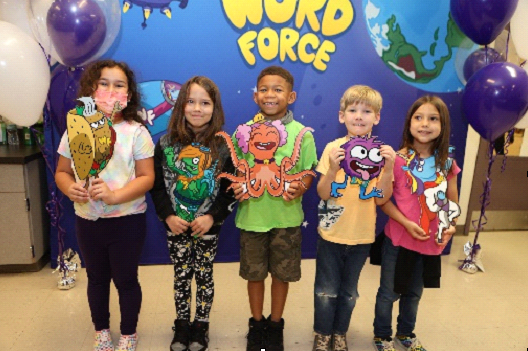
{"x": 38, "y": 33}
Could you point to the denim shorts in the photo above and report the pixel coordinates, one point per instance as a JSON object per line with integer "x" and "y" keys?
{"x": 277, "y": 251}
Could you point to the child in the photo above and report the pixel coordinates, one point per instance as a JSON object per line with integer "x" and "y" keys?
{"x": 348, "y": 216}
{"x": 410, "y": 257}
{"x": 270, "y": 233}
{"x": 192, "y": 204}
{"x": 111, "y": 209}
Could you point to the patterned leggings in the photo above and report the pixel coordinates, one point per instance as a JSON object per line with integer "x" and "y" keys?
{"x": 193, "y": 257}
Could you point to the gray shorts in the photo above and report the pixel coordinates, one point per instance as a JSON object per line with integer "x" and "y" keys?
{"x": 277, "y": 251}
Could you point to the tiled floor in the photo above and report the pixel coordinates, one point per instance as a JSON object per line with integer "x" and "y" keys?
{"x": 480, "y": 312}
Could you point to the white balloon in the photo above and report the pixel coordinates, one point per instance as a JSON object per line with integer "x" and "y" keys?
{"x": 519, "y": 29}
{"x": 37, "y": 12}
{"x": 15, "y": 12}
{"x": 24, "y": 76}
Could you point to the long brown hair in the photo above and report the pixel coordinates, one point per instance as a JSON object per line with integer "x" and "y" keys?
{"x": 91, "y": 76}
{"x": 440, "y": 147}
{"x": 179, "y": 130}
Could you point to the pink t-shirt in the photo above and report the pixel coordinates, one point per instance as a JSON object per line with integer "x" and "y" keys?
{"x": 419, "y": 188}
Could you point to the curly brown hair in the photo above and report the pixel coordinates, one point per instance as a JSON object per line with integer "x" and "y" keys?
{"x": 180, "y": 131}
{"x": 440, "y": 146}
{"x": 90, "y": 77}
{"x": 276, "y": 71}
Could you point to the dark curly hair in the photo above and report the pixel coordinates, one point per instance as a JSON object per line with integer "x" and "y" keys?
{"x": 90, "y": 77}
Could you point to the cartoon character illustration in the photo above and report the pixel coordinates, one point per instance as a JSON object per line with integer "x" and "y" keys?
{"x": 262, "y": 141}
{"x": 158, "y": 99}
{"x": 362, "y": 163}
{"x": 149, "y": 5}
{"x": 91, "y": 138}
{"x": 429, "y": 183}
{"x": 195, "y": 181}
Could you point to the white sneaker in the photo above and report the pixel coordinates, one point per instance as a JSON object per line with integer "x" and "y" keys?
{"x": 127, "y": 342}
{"x": 383, "y": 344}
{"x": 409, "y": 343}
{"x": 103, "y": 341}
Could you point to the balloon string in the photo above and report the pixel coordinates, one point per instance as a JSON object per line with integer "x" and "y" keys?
{"x": 507, "y": 143}
{"x": 507, "y": 45}
{"x": 484, "y": 202}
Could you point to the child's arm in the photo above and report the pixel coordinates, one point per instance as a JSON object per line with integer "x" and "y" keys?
{"x": 324, "y": 187}
{"x": 65, "y": 179}
{"x": 135, "y": 188}
{"x": 411, "y": 227}
{"x": 385, "y": 183}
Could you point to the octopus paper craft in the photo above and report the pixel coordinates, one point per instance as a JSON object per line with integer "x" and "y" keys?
{"x": 262, "y": 139}
{"x": 149, "y": 5}
{"x": 91, "y": 138}
{"x": 195, "y": 181}
{"x": 362, "y": 163}
{"x": 428, "y": 182}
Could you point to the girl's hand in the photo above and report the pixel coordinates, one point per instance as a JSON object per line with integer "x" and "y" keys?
{"x": 176, "y": 224}
{"x": 294, "y": 191}
{"x": 101, "y": 191}
{"x": 77, "y": 193}
{"x": 447, "y": 235}
{"x": 336, "y": 156}
{"x": 416, "y": 231}
{"x": 201, "y": 225}
{"x": 388, "y": 153}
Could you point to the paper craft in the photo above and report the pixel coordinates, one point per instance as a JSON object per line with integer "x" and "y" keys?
{"x": 362, "y": 163}
{"x": 91, "y": 138}
{"x": 429, "y": 183}
{"x": 262, "y": 140}
{"x": 195, "y": 181}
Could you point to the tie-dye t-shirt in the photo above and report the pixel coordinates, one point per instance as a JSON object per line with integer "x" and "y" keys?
{"x": 133, "y": 142}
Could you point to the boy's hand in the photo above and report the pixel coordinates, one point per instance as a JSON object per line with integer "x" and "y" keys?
{"x": 447, "y": 235}
{"x": 336, "y": 156}
{"x": 101, "y": 191}
{"x": 176, "y": 224}
{"x": 416, "y": 231}
{"x": 295, "y": 190}
{"x": 388, "y": 153}
{"x": 239, "y": 191}
{"x": 201, "y": 225}
{"x": 77, "y": 193}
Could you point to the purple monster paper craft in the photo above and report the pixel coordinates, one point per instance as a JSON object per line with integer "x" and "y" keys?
{"x": 362, "y": 163}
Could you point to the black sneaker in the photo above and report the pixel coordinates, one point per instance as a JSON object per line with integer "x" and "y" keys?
{"x": 182, "y": 333}
{"x": 199, "y": 336}
{"x": 275, "y": 335}
{"x": 256, "y": 336}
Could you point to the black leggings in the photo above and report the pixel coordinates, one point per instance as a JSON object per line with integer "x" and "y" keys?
{"x": 111, "y": 248}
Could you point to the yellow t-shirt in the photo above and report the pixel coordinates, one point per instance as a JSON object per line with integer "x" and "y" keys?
{"x": 347, "y": 219}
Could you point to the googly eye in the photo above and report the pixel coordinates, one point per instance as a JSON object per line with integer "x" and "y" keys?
{"x": 375, "y": 156}
{"x": 94, "y": 124}
{"x": 359, "y": 152}
{"x": 195, "y": 160}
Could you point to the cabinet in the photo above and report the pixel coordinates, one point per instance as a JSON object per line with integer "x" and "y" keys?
{"x": 24, "y": 222}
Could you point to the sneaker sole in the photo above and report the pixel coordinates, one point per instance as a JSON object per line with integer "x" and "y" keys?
{"x": 376, "y": 349}
{"x": 197, "y": 348}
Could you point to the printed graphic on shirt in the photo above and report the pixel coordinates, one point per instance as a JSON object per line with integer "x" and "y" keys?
{"x": 91, "y": 138}
{"x": 262, "y": 139}
{"x": 362, "y": 163}
{"x": 328, "y": 213}
{"x": 429, "y": 183}
{"x": 195, "y": 181}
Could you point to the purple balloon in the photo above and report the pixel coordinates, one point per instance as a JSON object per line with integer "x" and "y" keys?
{"x": 479, "y": 59}
{"x": 495, "y": 99}
{"x": 77, "y": 29}
{"x": 482, "y": 20}
{"x": 63, "y": 94}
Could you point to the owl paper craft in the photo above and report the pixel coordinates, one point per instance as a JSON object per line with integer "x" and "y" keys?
{"x": 91, "y": 139}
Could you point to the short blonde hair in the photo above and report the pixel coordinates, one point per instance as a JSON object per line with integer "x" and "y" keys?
{"x": 361, "y": 94}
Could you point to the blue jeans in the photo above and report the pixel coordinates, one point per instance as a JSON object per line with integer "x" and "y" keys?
{"x": 336, "y": 279}
{"x": 386, "y": 295}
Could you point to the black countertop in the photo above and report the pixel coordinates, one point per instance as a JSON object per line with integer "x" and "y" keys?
{"x": 19, "y": 154}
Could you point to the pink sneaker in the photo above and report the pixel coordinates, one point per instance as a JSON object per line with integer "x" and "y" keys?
{"x": 127, "y": 342}
{"x": 103, "y": 341}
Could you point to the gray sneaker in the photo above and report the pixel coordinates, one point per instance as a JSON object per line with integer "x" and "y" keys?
{"x": 340, "y": 343}
{"x": 322, "y": 342}
{"x": 383, "y": 344}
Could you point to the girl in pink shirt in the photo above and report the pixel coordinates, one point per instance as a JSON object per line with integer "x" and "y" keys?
{"x": 422, "y": 221}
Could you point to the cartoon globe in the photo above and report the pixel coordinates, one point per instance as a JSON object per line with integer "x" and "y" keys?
{"x": 418, "y": 41}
